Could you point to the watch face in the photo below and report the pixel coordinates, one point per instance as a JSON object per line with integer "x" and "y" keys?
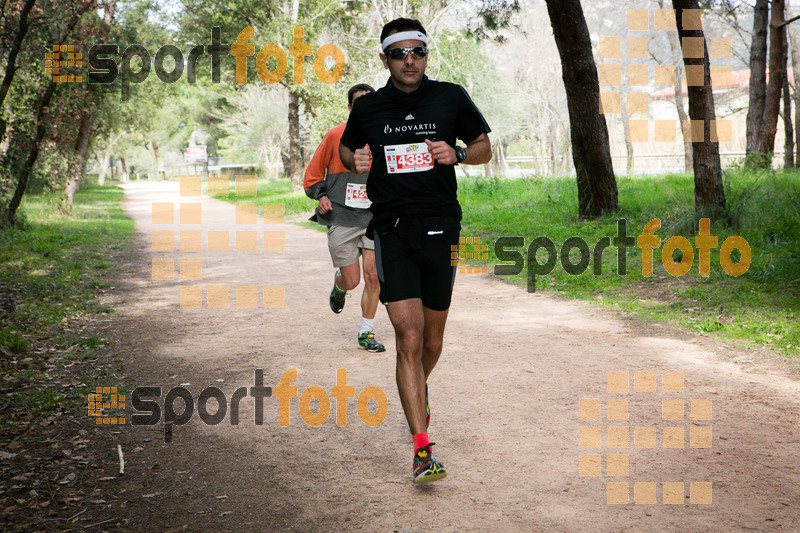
{"x": 461, "y": 154}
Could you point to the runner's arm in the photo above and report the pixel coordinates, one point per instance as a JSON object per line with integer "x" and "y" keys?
{"x": 347, "y": 157}
{"x": 479, "y": 151}
{"x": 357, "y": 161}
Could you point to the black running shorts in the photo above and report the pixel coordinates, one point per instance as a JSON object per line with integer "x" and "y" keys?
{"x": 420, "y": 267}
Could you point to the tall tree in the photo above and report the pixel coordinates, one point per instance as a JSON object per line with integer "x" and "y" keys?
{"x": 675, "y": 48}
{"x": 794, "y": 35}
{"x": 709, "y": 193}
{"x": 765, "y": 142}
{"x": 597, "y": 185}
{"x": 33, "y": 154}
{"x": 20, "y": 32}
{"x": 788, "y": 145}
{"x": 758, "y": 73}
{"x": 55, "y": 24}
{"x": 765, "y": 94}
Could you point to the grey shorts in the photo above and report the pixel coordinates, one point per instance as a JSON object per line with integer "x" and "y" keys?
{"x": 345, "y": 244}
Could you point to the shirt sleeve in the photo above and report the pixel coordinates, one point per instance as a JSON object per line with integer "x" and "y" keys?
{"x": 470, "y": 123}
{"x": 314, "y": 179}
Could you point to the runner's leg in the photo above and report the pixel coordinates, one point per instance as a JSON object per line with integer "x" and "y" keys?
{"x": 372, "y": 289}
{"x": 408, "y": 319}
{"x": 432, "y": 338}
{"x": 349, "y": 277}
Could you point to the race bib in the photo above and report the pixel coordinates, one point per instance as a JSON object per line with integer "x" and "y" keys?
{"x": 356, "y": 196}
{"x": 413, "y": 157}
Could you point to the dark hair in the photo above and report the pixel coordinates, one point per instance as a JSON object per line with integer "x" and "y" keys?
{"x": 401, "y": 24}
{"x": 358, "y": 88}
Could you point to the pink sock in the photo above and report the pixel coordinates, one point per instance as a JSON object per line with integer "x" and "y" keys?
{"x": 420, "y": 440}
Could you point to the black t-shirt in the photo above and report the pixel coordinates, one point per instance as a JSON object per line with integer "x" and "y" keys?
{"x": 395, "y": 125}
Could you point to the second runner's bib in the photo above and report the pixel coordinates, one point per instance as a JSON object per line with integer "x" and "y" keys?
{"x": 357, "y": 196}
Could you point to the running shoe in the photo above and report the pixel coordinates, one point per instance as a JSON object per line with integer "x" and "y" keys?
{"x": 337, "y": 296}
{"x": 425, "y": 467}
{"x": 366, "y": 341}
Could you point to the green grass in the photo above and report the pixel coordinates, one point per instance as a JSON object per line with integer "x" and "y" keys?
{"x": 55, "y": 263}
{"x": 52, "y": 270}
{"x": 760, "y": 306}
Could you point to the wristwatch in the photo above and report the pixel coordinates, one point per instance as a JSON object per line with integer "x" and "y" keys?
{"x": 461, "y": 154}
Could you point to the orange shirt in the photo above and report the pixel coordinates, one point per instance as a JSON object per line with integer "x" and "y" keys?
{"x": 326, "y": 159}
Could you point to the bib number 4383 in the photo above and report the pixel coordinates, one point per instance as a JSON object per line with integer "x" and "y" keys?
{"x": 413, "y": 157}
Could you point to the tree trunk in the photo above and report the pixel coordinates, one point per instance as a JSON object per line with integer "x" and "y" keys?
{"x": 553, "y": 145}
{"x": 33, "y": 154}
{"x": 295, "y": 169}
{"x": 124, "y": 170}
{"x": 765, "y": 143}
{"x": 795, "y": 33}
{"x": 77, "y": 169}
{"x": 534, "y": 151}
{"x": 597, "y": 186}
{"x": 499, "y": 159}
{"x": 628, "y": 143}
{"x": 677, "y": 54}
{"x": 106, "y": 157}
{"x": 155, "y": 154}
{"x": 11, "y": 60}
{"x": 104, "y": 161}
{"x": 788, "y": 146}
{"x": 565, "y": 153}
{"x": 758, "y": 75}
{"x": 709, "y": 194}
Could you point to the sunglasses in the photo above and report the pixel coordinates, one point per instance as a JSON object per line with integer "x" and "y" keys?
{"x": 418, "y": 52}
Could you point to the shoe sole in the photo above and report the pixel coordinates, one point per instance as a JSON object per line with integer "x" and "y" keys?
{"x": 430, "y": 478}
{"x": 372, "y": 350}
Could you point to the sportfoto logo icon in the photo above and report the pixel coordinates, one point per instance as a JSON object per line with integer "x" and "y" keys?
{"x": 106, "y": 398}
{"x": 672, "y": 427}
{"x": 459, "y": 254}
{"x": 329, "y": 61}
{"x": 63, "y": 57}
{"x": 647, "y": 242}
{"x": 148, "y": 410}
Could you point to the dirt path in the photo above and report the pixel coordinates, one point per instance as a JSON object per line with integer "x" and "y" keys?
{"x": 505, "y": 409}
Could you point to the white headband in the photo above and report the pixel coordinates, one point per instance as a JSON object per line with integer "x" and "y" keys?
{"x": 404, "y": 36}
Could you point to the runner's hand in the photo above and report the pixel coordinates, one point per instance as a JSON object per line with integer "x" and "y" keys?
{"x": 362, "y": 158}
{"x": 325, "y": 205}
{"x": 442, "y": 153}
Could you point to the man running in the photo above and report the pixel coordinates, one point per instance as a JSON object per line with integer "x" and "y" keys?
{"x": 410, "y": 127}
{"x": 344, "y": 208}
